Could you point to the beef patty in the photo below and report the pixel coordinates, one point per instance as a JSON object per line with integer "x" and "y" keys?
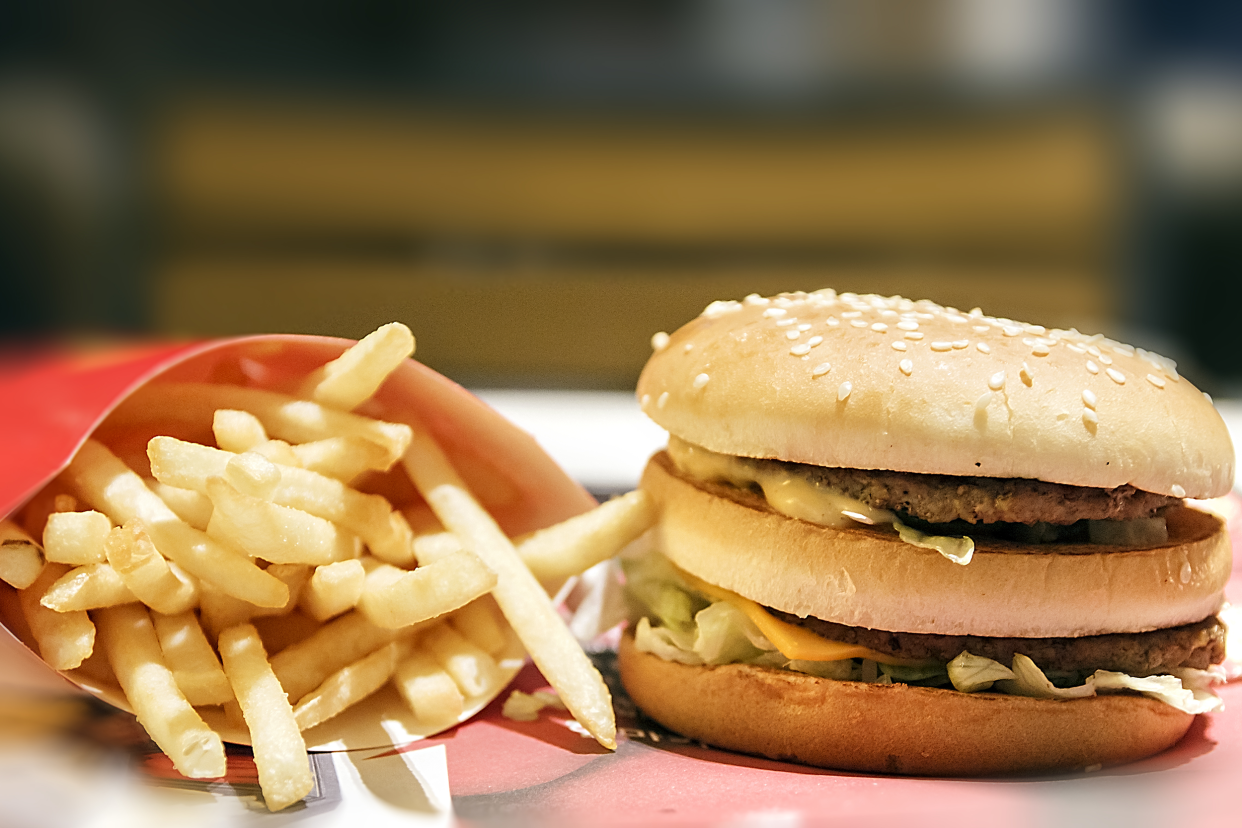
{"x": 943, "y": 498}
{"x": 1197, "y": 645}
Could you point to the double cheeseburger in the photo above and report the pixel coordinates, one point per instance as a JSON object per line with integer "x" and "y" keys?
{"x": 896, "y": 537}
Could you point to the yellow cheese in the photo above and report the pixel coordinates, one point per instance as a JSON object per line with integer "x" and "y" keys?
{"x": 794, "y": 642}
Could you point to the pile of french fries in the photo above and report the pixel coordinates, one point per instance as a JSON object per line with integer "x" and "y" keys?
{"x": 249, "y": 584}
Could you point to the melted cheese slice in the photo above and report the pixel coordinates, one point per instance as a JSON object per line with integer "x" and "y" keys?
{"x": 794, "y": 642}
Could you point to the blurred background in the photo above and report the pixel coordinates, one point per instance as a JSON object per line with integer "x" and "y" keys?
{"x": 535, "y": 188}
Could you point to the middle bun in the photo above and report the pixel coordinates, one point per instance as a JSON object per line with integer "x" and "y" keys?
{"x": 869, "y": 578}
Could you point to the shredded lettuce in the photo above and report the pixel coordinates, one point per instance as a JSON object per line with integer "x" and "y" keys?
{"x": 972, "y": 673}
{"x": 958, "y": 550}
{"x": 725, "y": 635}
{"x": 677, "y": 623}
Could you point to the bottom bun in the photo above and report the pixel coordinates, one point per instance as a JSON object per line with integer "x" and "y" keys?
{"x": 897, "y": 728}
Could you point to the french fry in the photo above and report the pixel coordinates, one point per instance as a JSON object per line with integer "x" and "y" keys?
{"x": 65, "y": 639}
{"x": 192, "y": 507}
{"x": 237, "y": 431}
{"x": 523, "y": 601}
{"x": 575, "y": 545}
{"x": 348, "y": 686}
{"x": 133, "y": 649}
{"x": 303, "y": 666}
{"x": 333, "y": 589}
{"x": 429, "y": 691}
{"x": 474, "y": 671}
{"x": 342, "y": 458}
{"x": 189, "y": 656}
{"x": 220, "y": 610}
{"x": 279, "y": 452}
{"x": 279, "y": 750}
{"x": 252, "y": 474}
{"x": 76, "y": 538}
{"x": 477, "y": 622}
{"x": 146, "y": 573}
{"x": 432, "y": 547}
{"x": 88, "y": 587}
{"x": 21, "y": 559}
{"x": 275, "y": 533}
{"x": 350, "y": 379}
{"x": 283, "y": 416}
{"x": 371, "y": 517}
{"x": 394, "y": 598}
{"x": 112, "y": 488}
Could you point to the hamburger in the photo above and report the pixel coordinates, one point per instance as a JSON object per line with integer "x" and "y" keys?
{"x": 896, "y": 537}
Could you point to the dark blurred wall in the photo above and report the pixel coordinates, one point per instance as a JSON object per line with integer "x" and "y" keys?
{"x": 537, "y": 187}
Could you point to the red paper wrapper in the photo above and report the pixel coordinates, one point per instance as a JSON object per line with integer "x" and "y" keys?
{"x": 56, "y": 400}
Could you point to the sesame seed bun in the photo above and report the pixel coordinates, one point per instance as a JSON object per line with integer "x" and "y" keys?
{"x": 849, "y": 381}
{"x": 893, "y": 728}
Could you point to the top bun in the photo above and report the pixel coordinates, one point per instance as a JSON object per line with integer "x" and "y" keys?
{"x": 876, "y": 382}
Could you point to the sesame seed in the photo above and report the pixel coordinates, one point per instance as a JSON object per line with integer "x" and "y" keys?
{"x": 844, "y": 390}
{"x": 955, "y": 318}
{"x": 1155, "y": 380}
{"x": 1025, "y": 375}
{"x": 1028, "y": 341}
{"x": 781, "y": 323}
{"x": 1092, "y": 367}
{"x": 859, "y": 323}
{"x": 1078, "y": 349}
{"x": 981, "y": 404}
{"x": 792, "y": 334}
{"x": 941, "y": 346}
{"x": 701, "y": 380}
{"x": 1088, "y": 398}
{"x": 1207, "y": 396}
{"x": 1116, "y": 376}
{"x": 1011, "y": 331}
{"x": 1090, "y": 417}
{"x": 976, "y": 312}
{"x": 914, "y": 335}
{"x": 851, "y": 314}
{"x": 1177, "y": 491}
{"x": 772, "y": 313}
{"x": 815, "y": 340}
{"x": 888, "y": 313}
{"x": 1040, "y": 350}
{"x": 756, "y": 299}
{"x": 959, "y": 344}
{"x": 997, "y": 381}
{"x": 800, "y": 350}
{"x": 646, "y": 399}
{"x": 1036, "y": 329}
{"x": 898, "y": 345}
{"x": 906, "y": 366}
{"x": 833, "y": 322}
{"x": 983, "y": 347}
{"x": 980, "y": 328}
{"x": 879, "y": 327}
{"x": 662, "y": 399}
{"x": 689, "y": 347}
{"x": 659, "y": 341}
{"x": 908, "y": 325}
{"x": 721, "y": 307}
{"x": 820, "y": 370}
{"x": 1093, "y": 350}
{"x": 1106, "y": 359}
